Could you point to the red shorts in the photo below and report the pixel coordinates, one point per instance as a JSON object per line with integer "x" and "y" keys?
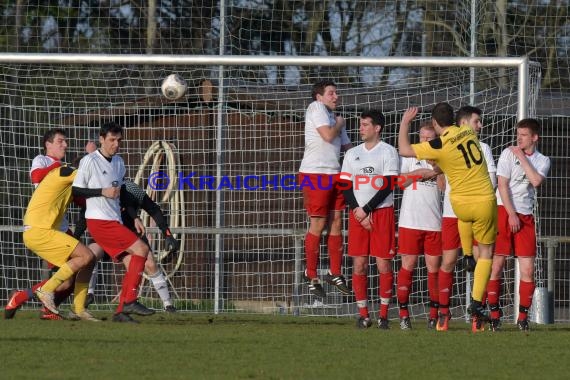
{"x": 112, "y": 236}
{"x": 380, "y": 242}
{"x": 449, "y": 234}
{"x": 417, "y": 242}
{"x": 523, "y": 242}
{"x": 321, "y": 193}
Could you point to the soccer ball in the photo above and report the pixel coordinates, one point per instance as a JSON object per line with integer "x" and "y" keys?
{"x": 173, "y": 87}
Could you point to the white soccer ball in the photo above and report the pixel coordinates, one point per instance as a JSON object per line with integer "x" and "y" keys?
{"x": 173, "y": 87}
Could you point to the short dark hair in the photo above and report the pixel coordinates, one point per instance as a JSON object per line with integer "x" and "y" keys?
{"x": 50, "y": 135}
{"x": 376, "y": 116}
{"x": 319, "y": 87}
{"x": 110, "y": 127}
{"x": 531, "y": 124}
{"x": 466, "y": 112}
{"x": 442, "y": 113}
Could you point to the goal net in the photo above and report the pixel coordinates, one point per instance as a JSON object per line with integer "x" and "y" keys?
{"x": 231, "y": 149}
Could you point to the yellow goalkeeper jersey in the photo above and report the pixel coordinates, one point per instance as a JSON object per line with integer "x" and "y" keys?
{"x": 50, "y": 199}
{"x": 458, "y": 153}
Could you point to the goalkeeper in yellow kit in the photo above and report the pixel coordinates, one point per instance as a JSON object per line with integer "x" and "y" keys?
{"x": 42, "y": 220}
{"x": 458, "y": 154}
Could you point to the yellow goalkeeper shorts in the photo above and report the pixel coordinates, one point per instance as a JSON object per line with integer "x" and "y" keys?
{"x": 482, "y": 216}
{"x": 51, "y": 245}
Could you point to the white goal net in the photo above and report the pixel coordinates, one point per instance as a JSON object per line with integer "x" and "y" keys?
{"x": 231, "y": 148}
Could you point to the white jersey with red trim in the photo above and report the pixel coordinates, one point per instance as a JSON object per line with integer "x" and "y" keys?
{"x": 321, "y": 156}
{"x": 375, "y": 164}
{"x": 523, "y": 194}
{"x": 96, "y": 172}
{"x": 491, "y": 168}
{"x": 421, "y": 201}
{"x": 40, "y": 162}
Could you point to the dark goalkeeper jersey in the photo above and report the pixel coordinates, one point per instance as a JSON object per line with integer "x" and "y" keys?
{"x": 133, "y": 199}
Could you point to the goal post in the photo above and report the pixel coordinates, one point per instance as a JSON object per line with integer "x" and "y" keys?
{"x": 234, "y": 155}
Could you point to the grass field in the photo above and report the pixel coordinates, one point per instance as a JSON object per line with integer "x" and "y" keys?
{"x": 231, "y": 346}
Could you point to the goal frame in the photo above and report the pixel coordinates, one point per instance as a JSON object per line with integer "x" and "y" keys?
{"x": 522, "y": 64}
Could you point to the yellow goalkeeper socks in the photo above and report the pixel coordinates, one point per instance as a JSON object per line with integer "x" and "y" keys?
{"x": 64, "y": 272}
{"x": 481, "y": 278}
{"x": 79, "y": 296}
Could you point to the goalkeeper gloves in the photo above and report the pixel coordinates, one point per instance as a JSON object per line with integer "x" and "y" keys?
{"x": 469, "y": 263}
{"x": 172, "y": 245}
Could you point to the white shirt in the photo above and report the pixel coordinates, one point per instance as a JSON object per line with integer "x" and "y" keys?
{"x": 490, "y": 161}
{"x": 421, "y": 201}
{"x": 41, "y": 162}
{"x": 523, "y": 194}
{"x": 491, "y": 168}
{"x": 321, "y": 156}
{"x": 380, "y": 161}
{"x": 95, "y": 172}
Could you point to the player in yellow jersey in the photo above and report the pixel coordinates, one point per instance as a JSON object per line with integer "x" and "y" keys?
{"x": 42, "y": 220}
{"x": 458, "y": 154}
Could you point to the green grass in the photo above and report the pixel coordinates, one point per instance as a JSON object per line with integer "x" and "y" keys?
{"x": 233, "y": 346}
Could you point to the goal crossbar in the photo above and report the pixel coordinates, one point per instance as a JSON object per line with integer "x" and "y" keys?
{"x": 261, "y": 60}
{"x": 521, "y": 63}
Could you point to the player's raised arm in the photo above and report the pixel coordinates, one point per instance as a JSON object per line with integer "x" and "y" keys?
{"x": 404, "y": 146}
